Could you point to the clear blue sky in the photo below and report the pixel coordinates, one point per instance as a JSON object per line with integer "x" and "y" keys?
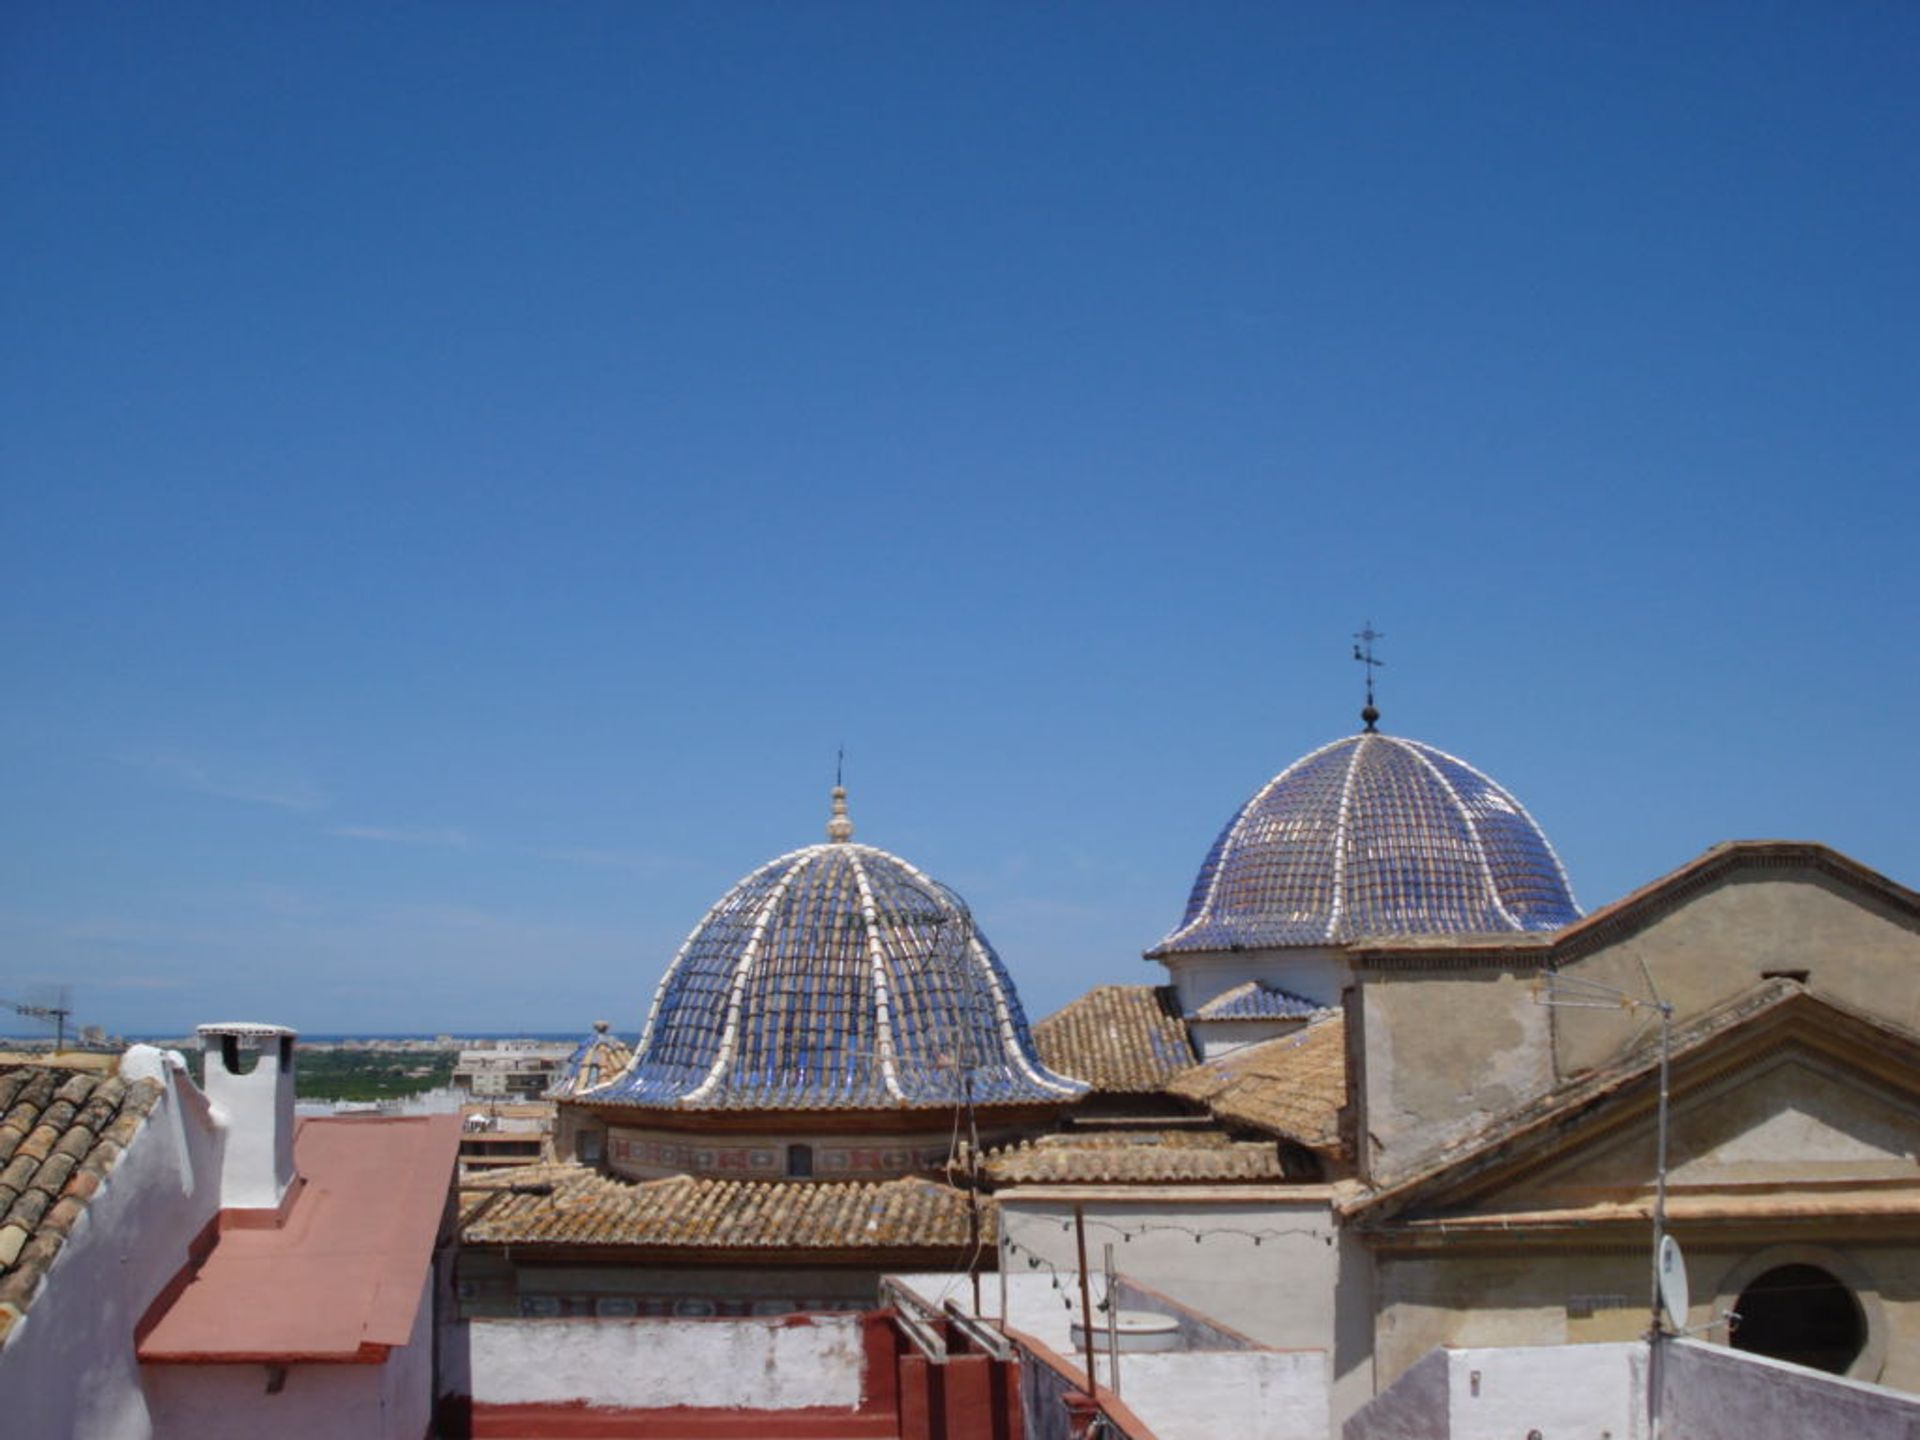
{"x": 467, "y": 466}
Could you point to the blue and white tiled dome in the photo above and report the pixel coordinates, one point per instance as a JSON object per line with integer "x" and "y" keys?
{"x": 1373, "y": 835}
{"x": 835, "y": 976}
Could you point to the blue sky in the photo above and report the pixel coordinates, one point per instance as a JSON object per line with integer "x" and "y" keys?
{"x": 468, "y": 466}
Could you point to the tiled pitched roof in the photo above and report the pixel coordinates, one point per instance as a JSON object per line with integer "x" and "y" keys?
{"x": 1257, "y": 1000}
{"x": 1121, "y": 1039}
{"x": 1293, "y": 1086}
{"x": 588, "y": 1209}
{"x": 60, "y": 1134}
{"x": 1156, "y": 1157}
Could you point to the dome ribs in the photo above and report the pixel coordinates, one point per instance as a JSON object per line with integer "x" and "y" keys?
{"x": 1373, "y": 835}
{"x": 837, "y": 976}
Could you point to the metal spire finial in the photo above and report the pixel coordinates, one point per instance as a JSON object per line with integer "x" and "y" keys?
{"x": 1363, "y": 652}
{"x": 839, "y": 827}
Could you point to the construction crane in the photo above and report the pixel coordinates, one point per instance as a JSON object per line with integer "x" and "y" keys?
{"x": 59, "y": 1013}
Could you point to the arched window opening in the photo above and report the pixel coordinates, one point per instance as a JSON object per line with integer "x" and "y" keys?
{"x": 799, "y": 1162}
{"x": 1802, "y": 1314}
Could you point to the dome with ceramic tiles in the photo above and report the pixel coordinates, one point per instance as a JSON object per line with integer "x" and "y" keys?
{"x": 1373, "y": 835}
{"x": 835, "y": 976}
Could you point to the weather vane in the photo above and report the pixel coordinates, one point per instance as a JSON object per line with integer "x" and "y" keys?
{"x": 1363, "y": 652}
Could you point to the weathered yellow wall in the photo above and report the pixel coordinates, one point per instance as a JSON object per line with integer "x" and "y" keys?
{"x": 1550, "y": 1296}
{"x": 1447, "y": 1052}
{"x": 1721, "y": 942}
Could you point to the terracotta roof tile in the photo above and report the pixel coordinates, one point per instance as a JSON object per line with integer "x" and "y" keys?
{"x": 1131, "y": 1157}
{"x": 54, "y": 1152}
{"x": 1293, "y": 1086}
{"x": 686, "y": 1212}
{"x": 1120, "y": 1039}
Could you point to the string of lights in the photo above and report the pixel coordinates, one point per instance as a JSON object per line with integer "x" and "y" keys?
{"x": 1126, "y": 1230}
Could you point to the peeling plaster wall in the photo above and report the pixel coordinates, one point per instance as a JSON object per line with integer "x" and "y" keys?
{"x": 68, "y": 1368}
{"x": 1446, "y": 1052}
{"x": 774, "y": 1364}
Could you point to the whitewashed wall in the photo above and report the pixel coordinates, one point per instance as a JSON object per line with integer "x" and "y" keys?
{"x": 643, "y": 1364}
{"x": 68, "y": 1368}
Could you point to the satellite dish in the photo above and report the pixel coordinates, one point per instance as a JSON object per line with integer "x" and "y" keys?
{"x": 1673, "y": 1282}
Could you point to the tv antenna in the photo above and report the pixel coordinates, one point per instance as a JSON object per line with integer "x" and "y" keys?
{"x": 1560, "y": 991}
{"x": 58, "y": 1009}
{"x": 1363, "y": 652}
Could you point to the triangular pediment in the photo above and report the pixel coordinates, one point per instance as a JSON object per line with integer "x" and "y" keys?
{"x": 1789, "y": 1093}
{"x": 1794, "y": 1117}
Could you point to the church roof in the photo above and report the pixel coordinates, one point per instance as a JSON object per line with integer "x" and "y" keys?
{"x": 567, "y": 1204}
{"x": 1120, "y": 1039}
{"x": 1135, "y": 1158}
{"x": 835, "y": 976}
{"x": 1294, "y": 1086}
{"x": 1373, "y": 835}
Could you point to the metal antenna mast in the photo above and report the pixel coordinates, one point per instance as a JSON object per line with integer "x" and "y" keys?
{"x": 1363, "y": 652}
{"x": 60, "y": 1011}
{"x": 1576, "y": 992}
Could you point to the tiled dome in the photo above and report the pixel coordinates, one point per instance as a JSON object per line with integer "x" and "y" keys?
{"x": 1373, "y": 835}
{"x": 841, "y": 976}
{"x": 601, "y": 1056}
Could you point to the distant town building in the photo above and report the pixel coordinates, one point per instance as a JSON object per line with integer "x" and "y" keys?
{"x": 522, "y": 1069}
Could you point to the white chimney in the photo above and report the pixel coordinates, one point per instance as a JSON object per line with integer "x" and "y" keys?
{"x": 256, "y": 1105}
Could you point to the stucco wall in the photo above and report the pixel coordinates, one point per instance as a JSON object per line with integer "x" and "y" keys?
{"x": 774, "y": 1364}
{"x": 1706, "y": 1393}
{"x": 1551, "y": 1297}
{"x": 1720, "y": 943}
{"x": 495, "y": 1285}
{"x": 406, "y": 1382}
{"x": 68, "y": 1368}
{"x": 1280, "y": 1292}
{"x": 1505, "y": 1394}
{"x": 1293, "y": 1291}
{"x": 1317, "y": 974}
{"x": 1447, "y": 1052}
{"x": 230, "y": 1402}
{"x": 1256, "y": 1394}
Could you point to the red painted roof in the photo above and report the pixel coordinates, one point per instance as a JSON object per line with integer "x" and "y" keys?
{"x": 341, "y": 1278}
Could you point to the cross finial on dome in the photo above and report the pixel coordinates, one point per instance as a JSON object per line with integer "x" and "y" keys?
{"x": 1363, "y": 652}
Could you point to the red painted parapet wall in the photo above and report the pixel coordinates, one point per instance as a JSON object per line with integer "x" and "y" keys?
{"x": 904, "y": 1396}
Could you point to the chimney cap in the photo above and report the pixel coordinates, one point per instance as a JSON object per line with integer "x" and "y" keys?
{"x": 245, "y": 1030}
